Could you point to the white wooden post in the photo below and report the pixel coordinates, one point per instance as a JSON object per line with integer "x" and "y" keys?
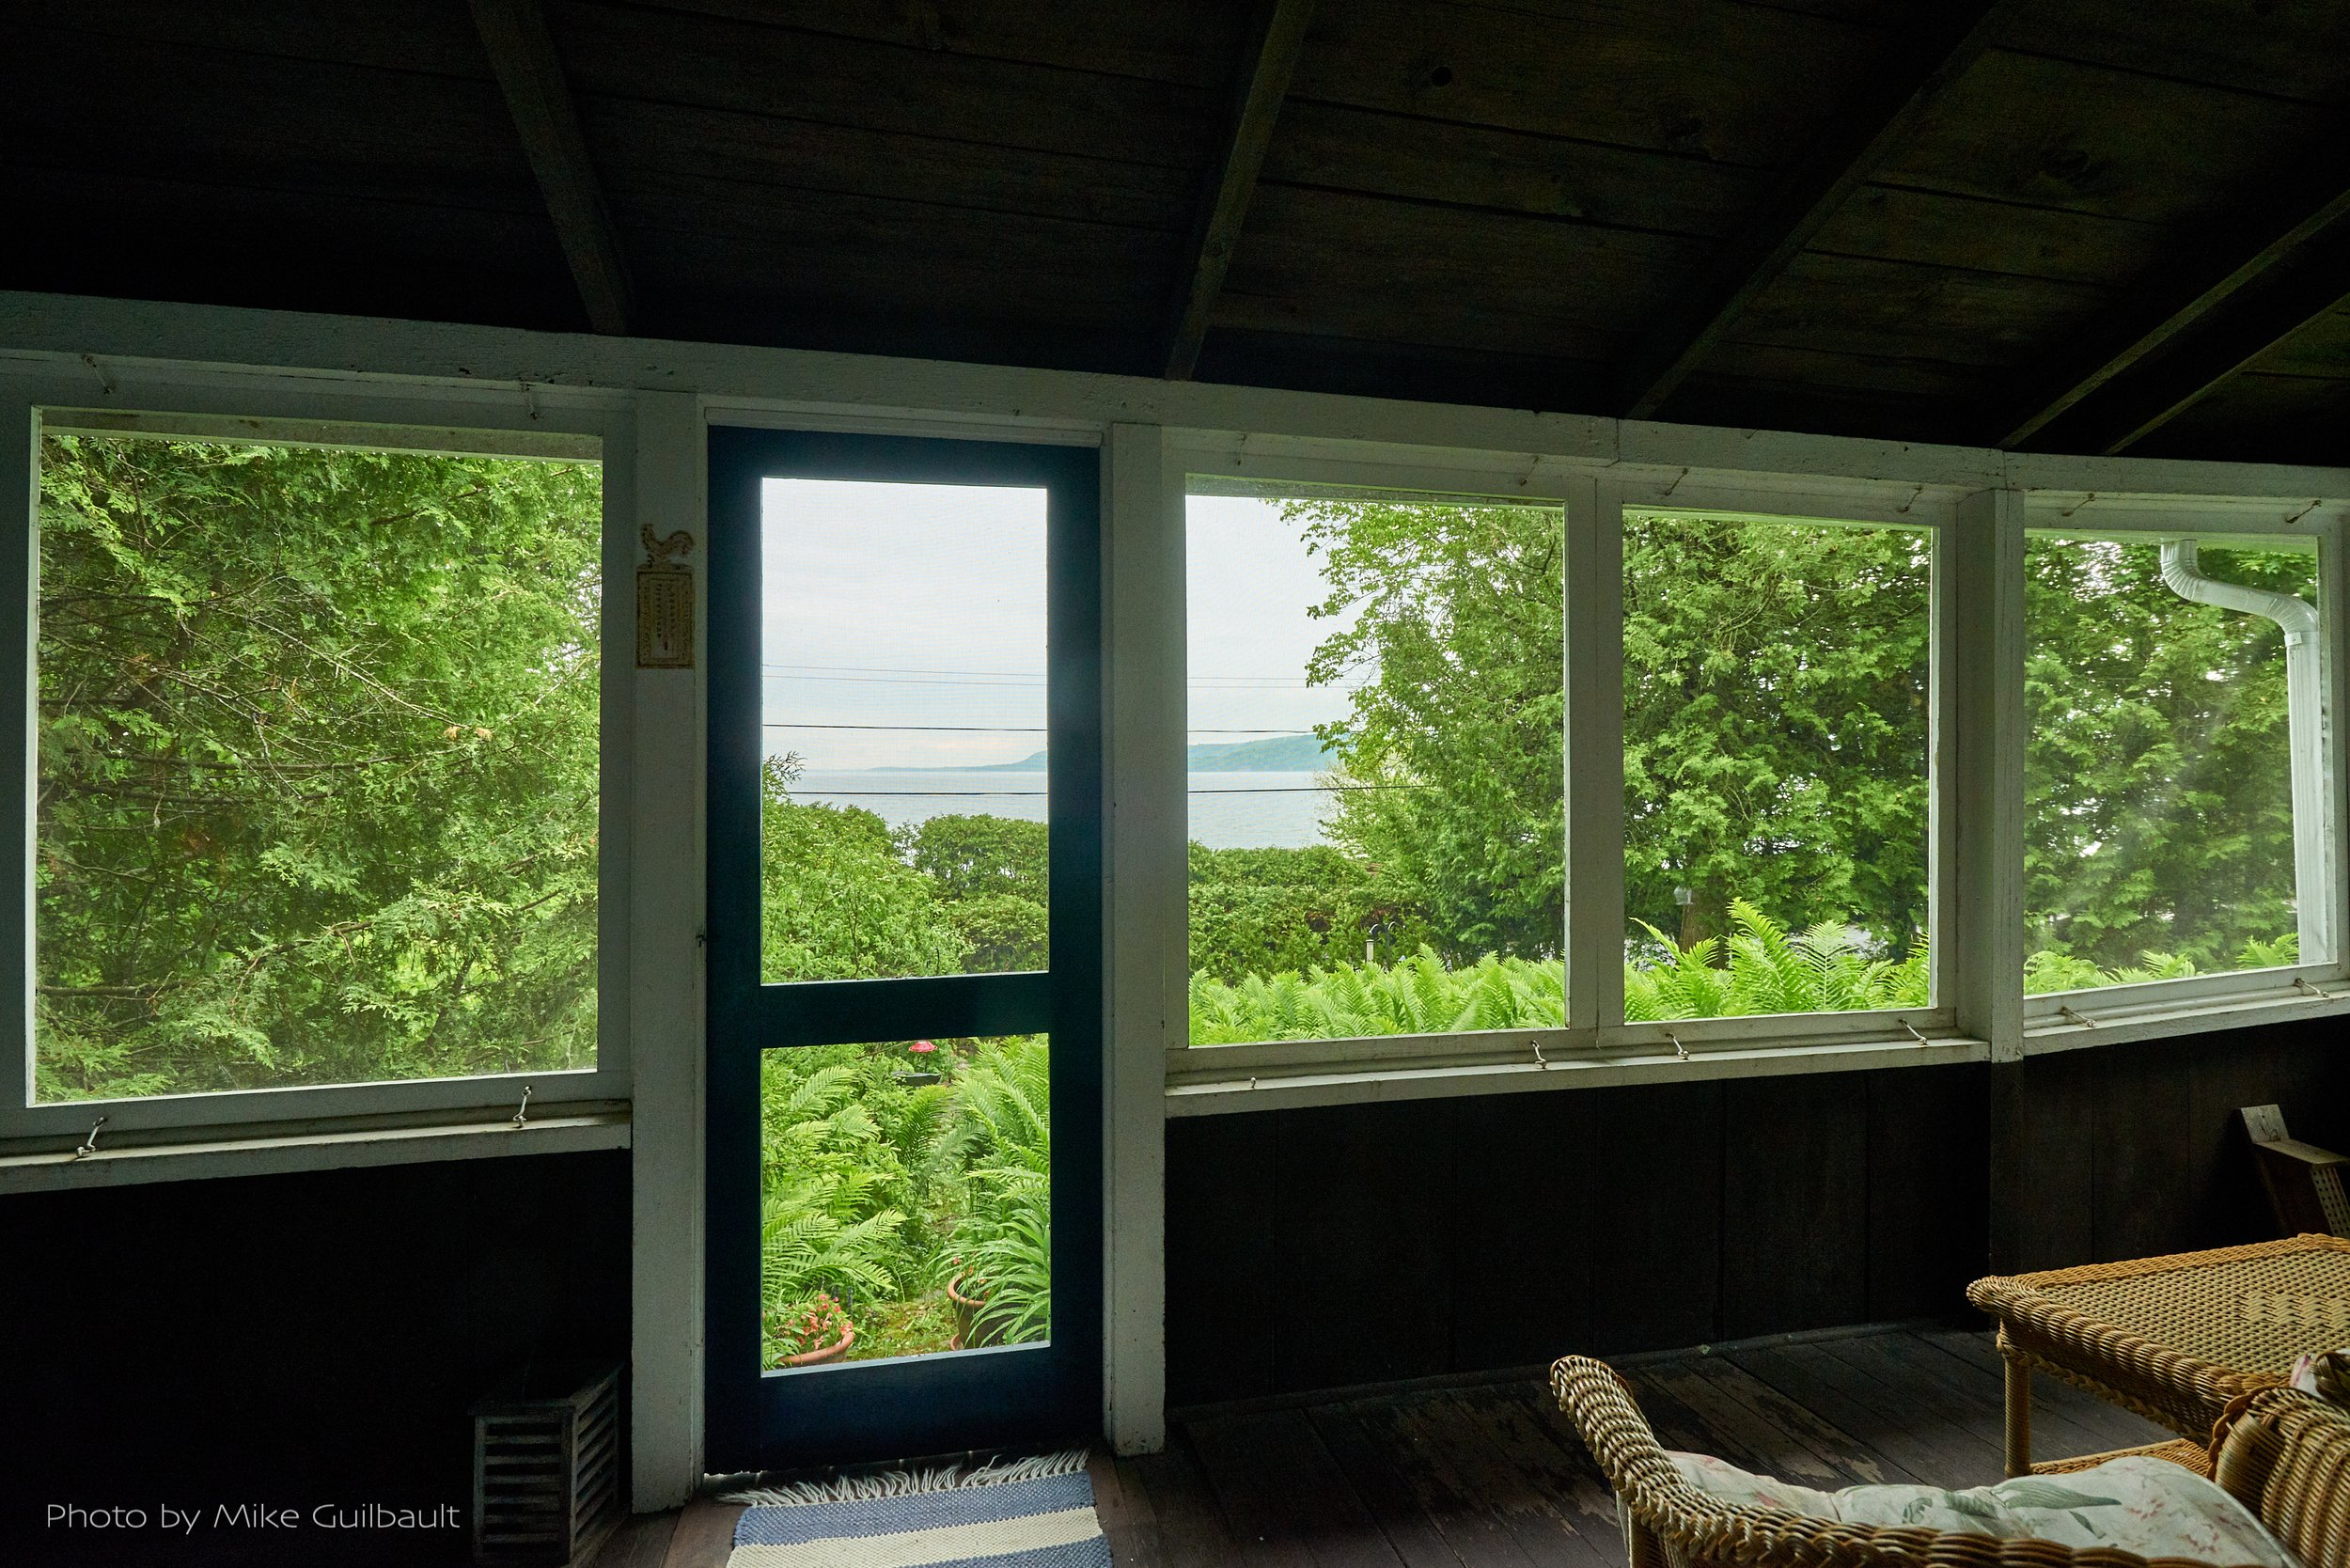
{"x": 1979, "y": 646}
{"x": 665, "y": 996}
{"x": 1594, "y": 754}
{"x": 1146, "y": 946}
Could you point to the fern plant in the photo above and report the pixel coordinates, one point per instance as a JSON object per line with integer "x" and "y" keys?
{"x": 999, "y": 1141}
{"x": 1765, "y": 968}
{"x": 2047, "y": 970}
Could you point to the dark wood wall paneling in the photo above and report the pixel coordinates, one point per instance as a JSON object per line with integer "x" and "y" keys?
{"x": 2128, "y": 1151}
{"x": 1317, "y": 1249}
{"x": 294, "y": 1340}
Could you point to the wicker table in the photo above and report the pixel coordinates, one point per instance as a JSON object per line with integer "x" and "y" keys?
{"x": 2175, "y": 1338}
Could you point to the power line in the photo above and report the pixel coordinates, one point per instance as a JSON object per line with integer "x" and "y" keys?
{"x": 998, "y": 728}
{"x": 1033, "y": 795}
{"x": 924, "y": 729}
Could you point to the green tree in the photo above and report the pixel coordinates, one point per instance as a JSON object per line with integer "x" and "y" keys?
{"x": 972, "y": 857}
{"x": 2158, "y": 770}
{"x": 993, "y": 873}
{"x": 317, "y": 766}
{"x": 1776, "y": 681}
{"x": 837, "y": 901}
{"x": 1453, "y": 757}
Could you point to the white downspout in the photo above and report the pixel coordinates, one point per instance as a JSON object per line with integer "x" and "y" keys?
{"x": 2306, "y": 713}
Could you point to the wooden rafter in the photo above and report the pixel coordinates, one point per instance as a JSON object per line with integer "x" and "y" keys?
{"x": 1224, "y": 205}
{"x": 1932, "y": 54}
{"x": 2267, "y": 239}
{"x": 2137, "y": 405}
{"x": 522, "y": 52}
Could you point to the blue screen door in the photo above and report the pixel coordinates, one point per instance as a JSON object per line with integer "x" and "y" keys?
{"x": 904, "y": 947}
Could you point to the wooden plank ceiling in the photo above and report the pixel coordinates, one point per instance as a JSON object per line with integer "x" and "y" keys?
{"x": 2065, "y": 225}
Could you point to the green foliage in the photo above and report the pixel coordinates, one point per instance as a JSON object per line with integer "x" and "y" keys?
{"x": 999, "y": 1140}
{"x": 1766, "y": 968}
{"x": 981, "y": 856}
{"x": 2046, "y": 970}
{"x": 1261, "y": 911}
{"x": 991, "y": 874}
{"x": 837, "y": 901}
{"x": 1453, "y": 755}
{"x": 2158, "y": 774}
{"x": 1000, "y": 933}
{"x": 1776, "y": 683}
{"x": 876, "y": 1189}
{"x": 829, "y": 1174}
{"x": 1418, "y": 996}
{"x": 317, "y": 766}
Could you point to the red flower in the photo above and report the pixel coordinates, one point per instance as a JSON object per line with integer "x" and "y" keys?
{"x": 922, "y": 1046}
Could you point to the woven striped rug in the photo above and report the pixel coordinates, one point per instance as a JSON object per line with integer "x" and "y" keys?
{"x": 1043, "y": 1522}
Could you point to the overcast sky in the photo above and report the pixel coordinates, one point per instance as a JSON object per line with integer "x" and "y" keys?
{"x": 919, "y": 606}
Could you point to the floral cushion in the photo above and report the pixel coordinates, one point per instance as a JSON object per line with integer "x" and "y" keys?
{"x": 2147, "y": 1506}
{"x": 2324, "y": 1374}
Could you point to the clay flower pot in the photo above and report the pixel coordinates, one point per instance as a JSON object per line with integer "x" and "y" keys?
{"x": 970, "y": 1334}
{"x": 823, "y": 1356}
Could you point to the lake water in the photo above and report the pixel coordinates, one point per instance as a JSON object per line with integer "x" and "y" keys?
{"x": 1229, "y": 810}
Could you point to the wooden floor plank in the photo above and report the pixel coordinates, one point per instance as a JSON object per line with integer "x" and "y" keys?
{"x": 1128, "y": 1521}
{"x": 1406, "y": 1524}
{"x": 1435, "y": 1485}
{"x": 2052, "y": 1396}
{"x": 1852, "y": 1462}
{"x": 1678, "y": 1426}
{"x": 704, "y": 1536}
{"x": 1438, "y": 1421}
{"x": 1191, "y": 1526}
{"x": 1933, "y": 1451}
{"x": 1490, "y": 1475}
{"x": 1561, "y": 1487}
{"x": 1785, "y": 1454}
{"x": 1285, "y": 1498}
{"x": 642, "y": 1541}
{"x": 1940, "y": 1383}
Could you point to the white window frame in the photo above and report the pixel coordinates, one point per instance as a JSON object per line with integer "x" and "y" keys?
{"x": 574, "y": 1107}
{"x": 2113, "y": 1014}
{"x": 1597, "y": 1033}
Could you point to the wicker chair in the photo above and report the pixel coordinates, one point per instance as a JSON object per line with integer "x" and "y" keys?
{"x": 2286, "y": 1457}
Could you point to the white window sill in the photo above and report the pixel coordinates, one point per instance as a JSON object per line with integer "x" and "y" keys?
{"x": 1295, "y": 1087}
{"x": 261, "y": 1151}
{"x": 2160, "y": 1018}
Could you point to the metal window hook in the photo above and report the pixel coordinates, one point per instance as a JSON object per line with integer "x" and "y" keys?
{"x": 2064, "y": 1010}
{"x": 522, "y": 1112}
{"x": 89, "y": 1145}
{"x": 1914, "y": 1033}
{"x": 1679, "y": 1049}
{"x": 2302, "y": 982}
{"x": 1538, "y": 1053}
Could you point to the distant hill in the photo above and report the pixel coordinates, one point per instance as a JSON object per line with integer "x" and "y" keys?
{"x": 1275, "y": 754}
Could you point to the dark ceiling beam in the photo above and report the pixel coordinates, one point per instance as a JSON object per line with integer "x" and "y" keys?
{"x": 1224, "y": 205}
{"x": 522, "y": 52}
{"x": 2263, "y": 238}
{"x": 1920, "y": 66}
{"x": 2143, "y": 402}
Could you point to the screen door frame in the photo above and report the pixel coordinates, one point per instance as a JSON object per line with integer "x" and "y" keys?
{"x": 959, "y": 1401}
